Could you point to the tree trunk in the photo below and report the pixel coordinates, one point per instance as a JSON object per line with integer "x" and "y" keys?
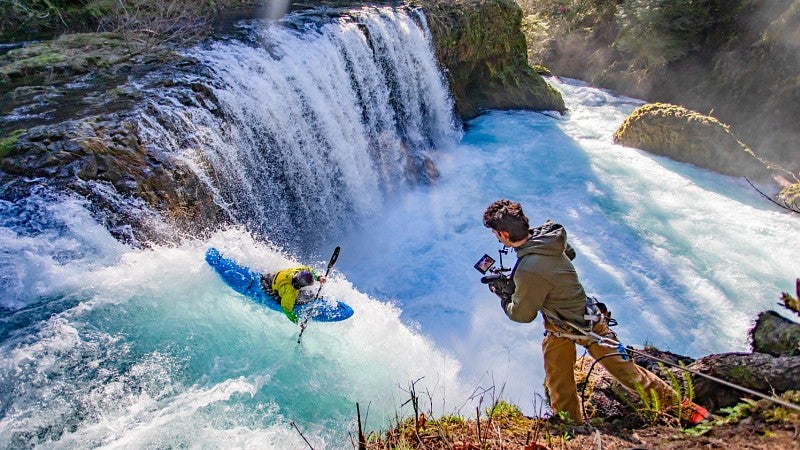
{"x": 771, "y": 375}
{"x": 775, "y": 335}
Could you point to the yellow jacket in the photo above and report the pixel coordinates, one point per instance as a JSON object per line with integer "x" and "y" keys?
{"x": 282, "y": 285}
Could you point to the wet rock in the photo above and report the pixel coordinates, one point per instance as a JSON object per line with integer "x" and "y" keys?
{"x": 102, "y": 158}
{"x": 790, "y": 196}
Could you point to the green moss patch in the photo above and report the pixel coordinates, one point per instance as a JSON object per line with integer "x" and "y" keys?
{"x": 71, "y": 54}
{"x": 7, "y": 143}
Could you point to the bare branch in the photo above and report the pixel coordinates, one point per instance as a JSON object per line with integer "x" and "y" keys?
{"x": 770, "y": 199}
{"x": 149, "y": 27}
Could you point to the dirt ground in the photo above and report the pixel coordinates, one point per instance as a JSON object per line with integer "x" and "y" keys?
{"x": 754, "y": 425}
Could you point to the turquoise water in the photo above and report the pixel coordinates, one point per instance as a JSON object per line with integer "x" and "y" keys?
{"x": 153, "y": 350}
{"x": 105, "y": 345}
{"x": 109, "y": 346}
{"x": 685, "y": 258}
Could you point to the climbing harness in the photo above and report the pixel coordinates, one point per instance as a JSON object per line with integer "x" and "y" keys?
{"x": 596, "y": 312}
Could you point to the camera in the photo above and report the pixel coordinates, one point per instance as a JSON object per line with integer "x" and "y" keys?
{"x": 499, "y": 282}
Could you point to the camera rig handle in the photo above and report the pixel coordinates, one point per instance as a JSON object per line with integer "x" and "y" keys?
{"x": 501, "y": 252}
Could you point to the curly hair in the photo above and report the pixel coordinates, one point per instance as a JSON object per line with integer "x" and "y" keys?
{"x": 505, "y": 215}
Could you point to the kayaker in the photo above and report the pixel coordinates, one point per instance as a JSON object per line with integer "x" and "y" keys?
{"x": 286, "y": 287}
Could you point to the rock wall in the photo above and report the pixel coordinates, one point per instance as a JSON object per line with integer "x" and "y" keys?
{"x": 484, "y": 53}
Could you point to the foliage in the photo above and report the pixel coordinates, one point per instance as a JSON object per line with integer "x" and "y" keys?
{"x": 684, "y": 387}
{"x": 568, "y": 15}
{"x": 792, "y": 303}
{"x": 27, "y": 13}
{"x": 657, "y": 32}
{"x": 651, "y": 410}
{"x": 779, "y": 414}
{"x": 732, "y": 415}
{"x": 146, "y": 25}
{"x": 654, "y": 410}
{"x": 144, "y": 22}
{"x": 503, "y": 409}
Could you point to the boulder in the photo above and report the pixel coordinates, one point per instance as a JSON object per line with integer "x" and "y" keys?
{"x": 690, "y": 137}
{"x": 790, "y": 196}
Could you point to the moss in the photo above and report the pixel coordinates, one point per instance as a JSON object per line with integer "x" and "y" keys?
{"x": 504, "y": 409}
{"x": 484, "y": 53}
{"x": 7, "y": 143}
{"x": 781, "y": 414}
{"x": 742, "y": 374}
{"x": 790, "y": 196}
{"x": 542, "y": 70}
{"x": 70, "y": 54}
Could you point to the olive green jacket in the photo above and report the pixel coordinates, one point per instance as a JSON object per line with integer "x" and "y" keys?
{"x": 546, "y": 279}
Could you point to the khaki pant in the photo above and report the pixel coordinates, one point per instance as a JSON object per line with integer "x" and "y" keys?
{"x": 559, "y": 362}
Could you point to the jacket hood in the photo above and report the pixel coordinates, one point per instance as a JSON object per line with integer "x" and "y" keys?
{"x": 550, "y": 239}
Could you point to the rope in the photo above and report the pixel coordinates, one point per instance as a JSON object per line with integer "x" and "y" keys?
{"x": 613, "y": 343}
{"x": 721, "y": 381}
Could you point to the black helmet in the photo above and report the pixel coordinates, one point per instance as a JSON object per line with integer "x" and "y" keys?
{"x": 302, "y": 278}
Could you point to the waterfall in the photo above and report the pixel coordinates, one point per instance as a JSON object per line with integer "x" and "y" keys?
{"x": 312, "y": 122}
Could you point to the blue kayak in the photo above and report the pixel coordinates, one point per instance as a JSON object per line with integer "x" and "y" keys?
{"x": 248, "y": 283}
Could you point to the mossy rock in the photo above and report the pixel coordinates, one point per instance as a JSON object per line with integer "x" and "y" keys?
{"x": 484, "y": 53}
{"x": 68, "y": 55}
{"x": 775, "y": 335}
{"x": 7, "y": 143}
{"x": 688, "y": 136}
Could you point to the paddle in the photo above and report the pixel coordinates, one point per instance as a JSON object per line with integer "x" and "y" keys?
{"x": 334, "y": 257}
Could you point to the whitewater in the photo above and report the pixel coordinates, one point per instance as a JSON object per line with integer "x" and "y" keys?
{"x": 107, "y": 345}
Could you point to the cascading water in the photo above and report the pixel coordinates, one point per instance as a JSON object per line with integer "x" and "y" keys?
{"x": 104, "y": 345}
{"x": 310, "y": 124}
{"x": 319, "y": 120}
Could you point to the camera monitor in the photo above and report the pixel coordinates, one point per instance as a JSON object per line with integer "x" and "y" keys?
{"x": 484, "y": 264}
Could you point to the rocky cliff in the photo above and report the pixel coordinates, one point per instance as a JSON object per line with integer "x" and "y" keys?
{"x": 482, "y": 48}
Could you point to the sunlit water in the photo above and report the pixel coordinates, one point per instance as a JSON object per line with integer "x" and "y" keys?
{"x": 684, "y": 258}
{"x": 148, "y": 348}
{"x": 103, "y": 345}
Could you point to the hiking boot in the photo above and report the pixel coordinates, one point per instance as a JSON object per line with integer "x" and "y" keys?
{"x": 693, "y": 413}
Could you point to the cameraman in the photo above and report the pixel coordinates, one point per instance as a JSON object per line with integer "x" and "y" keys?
{"x": 544, "y": 279}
